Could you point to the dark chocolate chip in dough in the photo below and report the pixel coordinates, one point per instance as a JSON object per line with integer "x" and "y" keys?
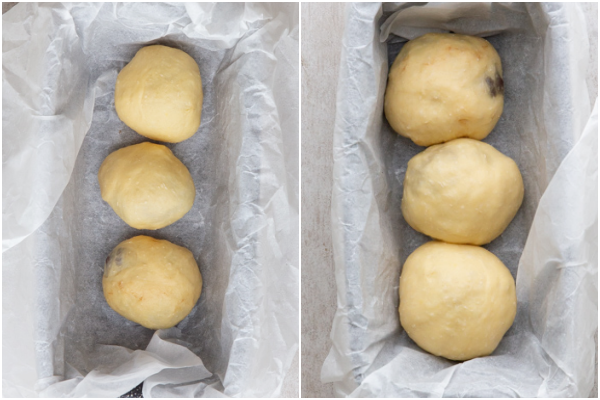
{"x": 500, "y": 84}
{"x": 116, "y": 255}
{"x": 496, "y": 86}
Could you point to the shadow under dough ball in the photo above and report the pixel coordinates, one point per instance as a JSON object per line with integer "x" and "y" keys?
{"x": 146, "y": 185}
{"x": 463, "y": 191}
{"x": 444, "y": 86}
{"x": 159, "y": 94}
{"x": 152, "y": 282}
{"x": 456, "y": 301}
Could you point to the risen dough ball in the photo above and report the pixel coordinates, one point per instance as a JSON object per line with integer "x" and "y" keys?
{"x": 445, "y": 86}
{"x": 159, "y": 94}
{"x": 146, "y": 185}
{"x": 152, "y": 282}
{"x": 456, "y": 301}
{"x": 463, "y": 191}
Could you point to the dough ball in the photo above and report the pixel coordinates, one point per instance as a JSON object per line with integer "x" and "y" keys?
{"x": 159, "y": 94}
{"x": 456, "y": 301}
{"x": 445, "y": 86}
{"x": 146, "y": 185}
{"x": 463, "y": 191}
{"x": 152, "y": 282}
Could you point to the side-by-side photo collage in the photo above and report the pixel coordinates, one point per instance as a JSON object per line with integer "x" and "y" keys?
{"x": 300, "y": 200}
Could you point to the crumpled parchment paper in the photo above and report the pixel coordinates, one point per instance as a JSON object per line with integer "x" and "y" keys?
{"x": 548, "y": 128}
{"x": 60, "y": 337}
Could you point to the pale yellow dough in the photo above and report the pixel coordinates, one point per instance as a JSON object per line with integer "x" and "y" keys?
{"x": 159, "y": 94}
{"x": 146, "y": 185}
{"x": 152, "y": 282}
{"x": 456, "y": 301}
{"x": 444, "y": 86}
{"x": 463, "y": 191}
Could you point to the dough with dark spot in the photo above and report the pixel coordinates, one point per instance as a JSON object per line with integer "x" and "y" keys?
{"x": 152, "y": 282}
{"x": 114, "y": 260}
{"x": 445, "y": 86}
{"x": 496, "y": 85}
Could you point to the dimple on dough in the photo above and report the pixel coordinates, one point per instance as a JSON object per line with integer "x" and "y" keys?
{"x": 146, "y": 185}
{"x": 152, "y": 282}
{"x": 444, "y": 86}
{"x": 159, "y": 94}
{"x": 456, "y": 301}
{"x": 463, "y": 191}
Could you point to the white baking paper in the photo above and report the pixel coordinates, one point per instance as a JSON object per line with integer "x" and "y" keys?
{"x": 551, "y": 246}
{"x": 60, "y": 337}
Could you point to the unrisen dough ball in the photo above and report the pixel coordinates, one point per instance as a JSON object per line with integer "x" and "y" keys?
{"x": 463, "y": 191}
{"x": 444, "y": 86}
{"x": 159, "y": 94}
{"x": 456, "y": 301}
{"x": 152, "y": 282}
{"x": 146, "y": 185}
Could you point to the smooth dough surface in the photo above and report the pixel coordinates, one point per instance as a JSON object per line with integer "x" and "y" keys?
{"x": 456, "y": 301}
{"x": 463, "y": 191}
{"x": 444, "y": 86}
{"x": 152, "y": 282}
{"x": 159, "y": 94}
{"x": 146, "y": 185}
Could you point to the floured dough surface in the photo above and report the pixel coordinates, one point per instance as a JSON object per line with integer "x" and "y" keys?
{"x": 456, "y": 301}
{"x": 159, "y": 94}
{"x": 146, "y": 185}
{"x": 152, "y": 282}
{"x": 444, "y": 86}
{"x": 462, "y": 191}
